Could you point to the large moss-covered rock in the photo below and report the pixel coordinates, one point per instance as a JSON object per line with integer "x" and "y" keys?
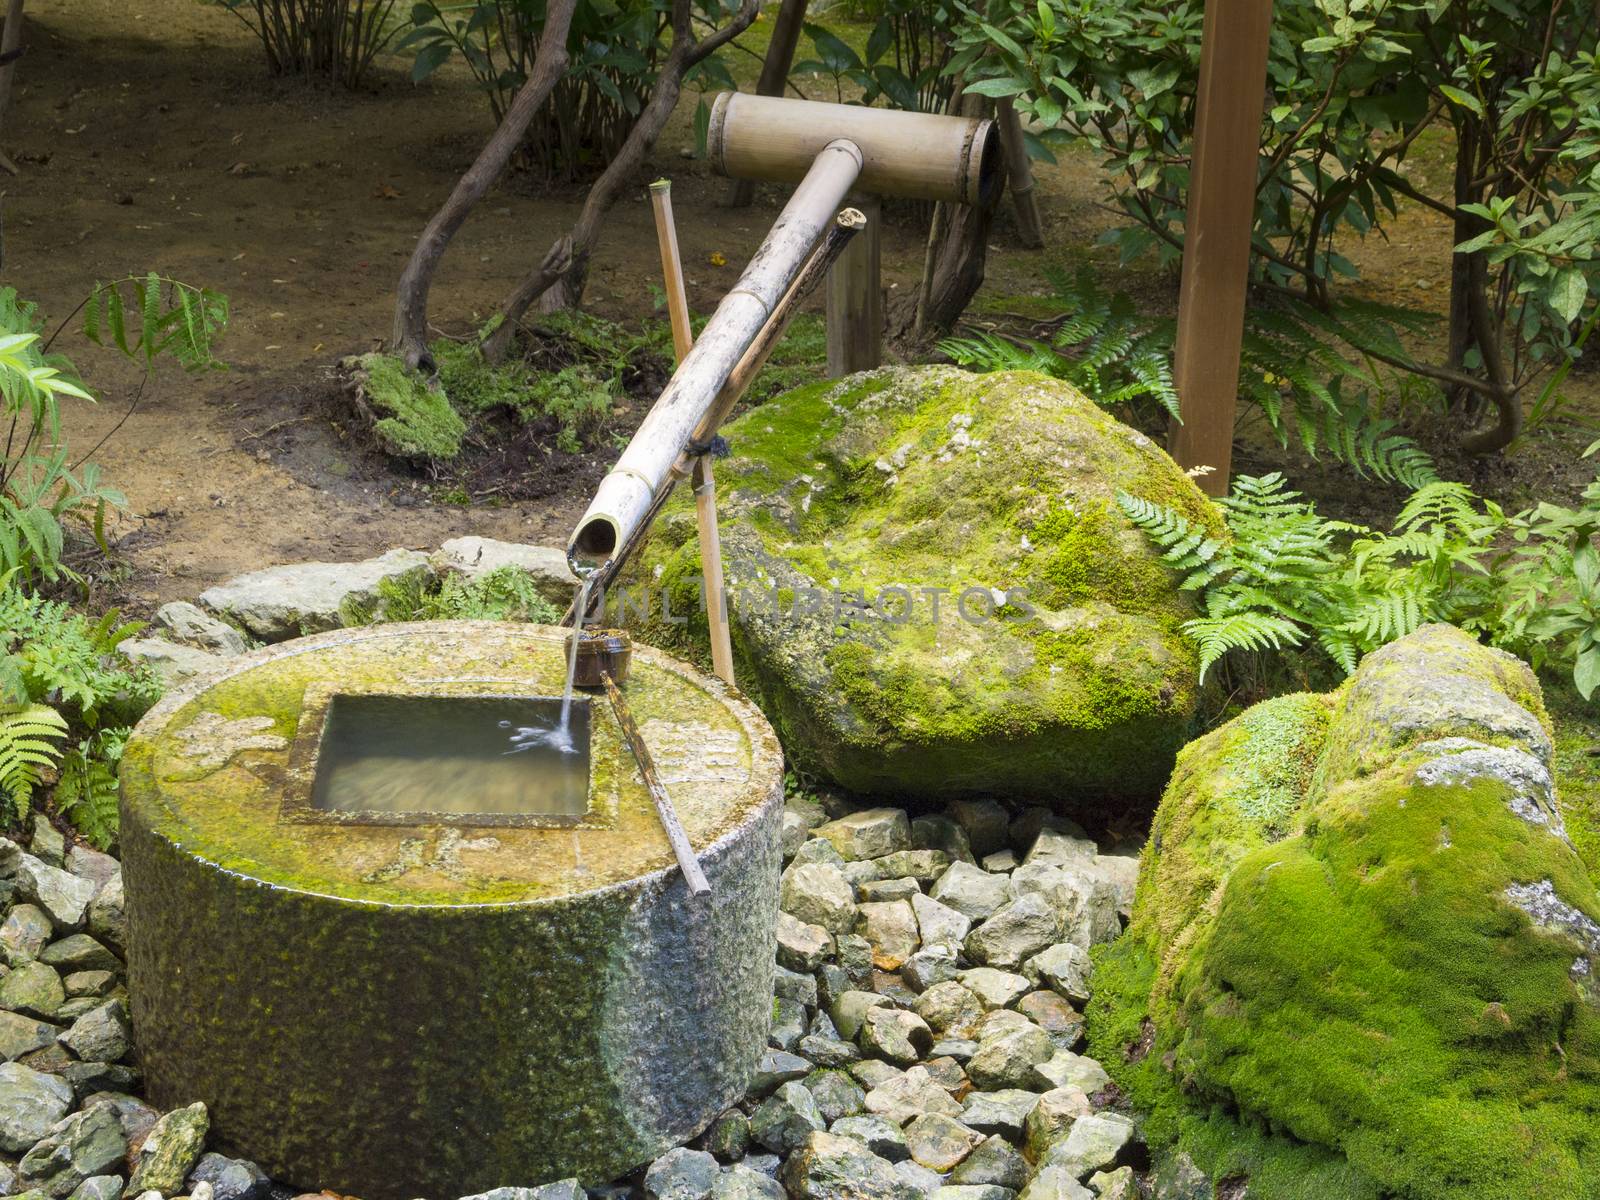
{"x": 933, "y": 591}
{"x": 1361, "y": 923}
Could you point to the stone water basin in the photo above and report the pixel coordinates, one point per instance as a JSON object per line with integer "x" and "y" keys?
{"x": 452, "y": 982}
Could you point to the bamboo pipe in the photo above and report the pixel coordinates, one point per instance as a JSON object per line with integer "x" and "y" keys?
{"x": 846, "y": 225}
{"x": 672, "y": 268}
{"x": 628, "y": 492}
{"x": 925, "y": 156}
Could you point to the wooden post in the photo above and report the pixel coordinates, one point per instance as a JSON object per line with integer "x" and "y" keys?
{"x": 10, "y": 45}
{"x": 671, "y": 268}
{"x": 855, "y": 299}
{"x": 774, "y": 78}
{"x": 1217, "y": 226}
{"x": 1019, "y": 175}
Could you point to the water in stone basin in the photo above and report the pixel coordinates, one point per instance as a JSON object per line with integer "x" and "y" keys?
{"x": 512, "y": 756}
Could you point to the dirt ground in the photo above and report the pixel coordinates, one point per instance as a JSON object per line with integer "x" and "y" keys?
{"x": 149, "y": 137}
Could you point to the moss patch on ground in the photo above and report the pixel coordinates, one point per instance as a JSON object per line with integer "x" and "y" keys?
{"x": 1333, "y": 966}
{"x": 409, "y": 418}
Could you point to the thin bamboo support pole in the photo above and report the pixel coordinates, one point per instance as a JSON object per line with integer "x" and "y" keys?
{"x": 705, "y": 506}
{"x": 855, "y": 300}
{"x": 672, "y": 268}
{"x": 846, "y": 225}
{"x": 1019, "y": 175}
{"x": 688, "y": 862}
{"x": 628, "y": 492}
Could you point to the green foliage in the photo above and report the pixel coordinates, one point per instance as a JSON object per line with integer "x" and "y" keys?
{"x": 505, "y": 594}
{"x": 67, "y": 700}
{"x": 1285, "y": 578}
{"x": 331, "y": 40}
{"x": 1305, "y": 388}
{"x": 614, "y": 53}
{"x": 903, "y": 61}
{"x": 410, "y": 417}
{"x": 43, "y": 490}
{"x": 1358, "y": 87}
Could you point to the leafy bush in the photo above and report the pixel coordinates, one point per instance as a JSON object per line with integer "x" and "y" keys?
{"x": 1286, "y": 578}
{"x": 332, "y": 40}
{"x": 43, "y": 488}
{"x": 1357, "y": 87}
{"x": 1289, "y": 368}
{"x": 67, "y": 701}
{"x": 504, "y": 594}
{"x": 614, "y": 53}
{"x": 905, "y": 55}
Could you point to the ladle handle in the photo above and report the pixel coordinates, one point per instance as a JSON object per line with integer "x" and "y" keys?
{"x": 688, "y": 863}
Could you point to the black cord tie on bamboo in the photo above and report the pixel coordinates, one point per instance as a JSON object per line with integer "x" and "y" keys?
{"x": 716, "y": 446}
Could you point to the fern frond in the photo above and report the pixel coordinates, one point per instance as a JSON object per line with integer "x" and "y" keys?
{"x": 29, "y": 746}
{"x": 1217, "y": 636}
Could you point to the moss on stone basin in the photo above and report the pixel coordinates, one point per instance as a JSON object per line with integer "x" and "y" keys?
{"x": 438, "y": 1008}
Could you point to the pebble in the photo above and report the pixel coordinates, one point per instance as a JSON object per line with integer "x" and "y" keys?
{"x": 930, "y": 965}
{"x": 30, "y": 1105}
{"x": 681, "y": 1174}
{"x": 893, "y": 1033}
{"x": 785, "y": 1119}
{"x": 940, "y": 1142}
{"x": 939, "y": 924}
{"x": 171, "y": 1150}
{"x": 890, "y": 928}
{"x": 1092, "y": 1144}
{"x": 831, "y": 1167}
{"x": 1066, "y": 1069}
{"x": 836, "y": 1094}
{"x": 993, "y": 1163}
{"x": 819, "y": 894}
{"x": 971, "y": 891}
{"x": 881, "y": 1137}
{"x": 910, "y": 1096}
{"x": 801, "y": 945}
{"x": 995, "y": 988}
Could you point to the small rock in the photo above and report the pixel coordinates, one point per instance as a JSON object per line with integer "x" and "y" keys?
{"x": 791, "y": 835}
{"x": 878, "y": 1135}
{"x": 881, "y": 890}
{"x": 1009, "y": 1061}
{"x": 1054, "y": 1183}
{"x": 855, "y": 956}
{"x": 891, "y": 929}
{"x": 190, "y": 624}
{"x": 1055, "y": 1016}
{"x": 99, "y": 1187}
{"x": 819, "y": 894}
{"x": 741, "y": 1183}
{"x": 108, "y": 920}
{"x": 1014, "y": 933}
{"x": 30, "y": 1105}
{"x": 947, "y": 1073}
{"x": 84, "y": 1145}
{"x": 850, "y": 1010}
{"x": 971, "y": 891}
{"x": 94, "y": 865}
{"x": 998, "y": 1021}
{"x": 836, "y": 1094}
{"x": 970, "y": 1191}
{"x": 901, "y": 1037}
{"x": 934, "y": 832}
{"x": 801, "y": 945}
{"x": 827, "y": 1051}
{"x": 1004, "y": 1112}
{"x": 994, "y": 988}
{"x": 818, "y": 850}
{"x": 79, "y": 952}
{"x": 939, "y": 923}
{"x": 1066, "y": 1069}
{"x": 1051, "y": 1118}
{"x": 996, "y": 1163}
{"x": 957, "y": 1049}
{"x": 874, "y": 1073}
{"x": 728, "y": 1137}
{"x": 476, "y": 556}
{"x": 796, "y": 986}
{"x": 1064, "y": 967}
{"x": 1001, "y": 861}
{"x": 89, "y": 983}
{"x": 24, "y": 934}
{"x": 908, "y": 1097}
{"x": 939, "y": 1142}
{"x": 173, "y": 663}
{"x": 788, "y": 1023}
{"x": 48, "y": 845}
{"x": 930, "y": 965}
{"x": 871, "y": 833}
{"x": 63, "y": 896}
{"x": 1061, "y": 849}
{"x": 924, "y": 866}
{"x": 33, "y": 989}
{"x": 1121, "y": 1185}
{"x": 21, "y": 1035}
{"x": 88, "y": 1078}
{"x": 1176, "y": 1177}
{"x": 101, "y": 1035}
{"x": 1120, "y": 873}
{"x": 1092, "y": 1144}
{"x": 681, "y": 1174}
{"x": 831, "y": 1167}
{"x": 949, "y": 1007}
{"x": 231, "y": 1178}
{"x": 284, "y": 602}
{"x": 987, "y": 825}
{"x": 171, "y": 1150}
{"x": 785, "y": 1119}
{"x": 925, "y": 1184}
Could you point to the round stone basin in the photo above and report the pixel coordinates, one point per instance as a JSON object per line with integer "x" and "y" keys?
{"x": 389, "y": 968}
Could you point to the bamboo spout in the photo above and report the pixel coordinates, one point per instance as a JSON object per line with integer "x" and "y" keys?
{"x": 627, "y": 494}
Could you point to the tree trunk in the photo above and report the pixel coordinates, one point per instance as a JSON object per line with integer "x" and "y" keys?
{"x": 774, "y": 78}
{"x": 1462, "y": 401}
{"x": 958, "y": 245}
{"x": 410, "y": 336}
{"x": 10, "y": 51}
{"x": 566, "y": 267}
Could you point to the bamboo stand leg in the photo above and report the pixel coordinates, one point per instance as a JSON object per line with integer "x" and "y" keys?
{"x": 855, "y": 300}
{"x": 1019, "y": 175}
{"x": 705, "y": 490}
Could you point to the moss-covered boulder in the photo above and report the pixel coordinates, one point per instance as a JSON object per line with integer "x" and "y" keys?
{"x": 933, "y": 591}
{"x": 1363, "y": 954}
{"x": 410, "y": 416}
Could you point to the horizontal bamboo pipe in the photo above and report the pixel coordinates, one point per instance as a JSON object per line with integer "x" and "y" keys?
{"x": 629, "y": 491}
{"x": 846, "y": 225}
{"x": 925, "y": 156}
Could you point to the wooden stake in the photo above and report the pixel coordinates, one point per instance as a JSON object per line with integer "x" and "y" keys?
{"x": 1217, "y": 226}
{"x": 1019, "y": 175}
{"x": 672, "y": 268}
{"x": 855, "y": 300}
{"x": 774, "y": 77}
{"x": 688, "y": 863}
{"x": 705, "y": 507}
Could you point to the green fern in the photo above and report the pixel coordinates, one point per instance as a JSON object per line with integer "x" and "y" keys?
{"x": 29, "y": 747}
{"x": 1307, "y": 371}
{"x": 87, "y": 794}
{"x": 173, "y": 318}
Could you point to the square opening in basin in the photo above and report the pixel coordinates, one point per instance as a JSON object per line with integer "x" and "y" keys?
{"x": 471, "y": 759}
